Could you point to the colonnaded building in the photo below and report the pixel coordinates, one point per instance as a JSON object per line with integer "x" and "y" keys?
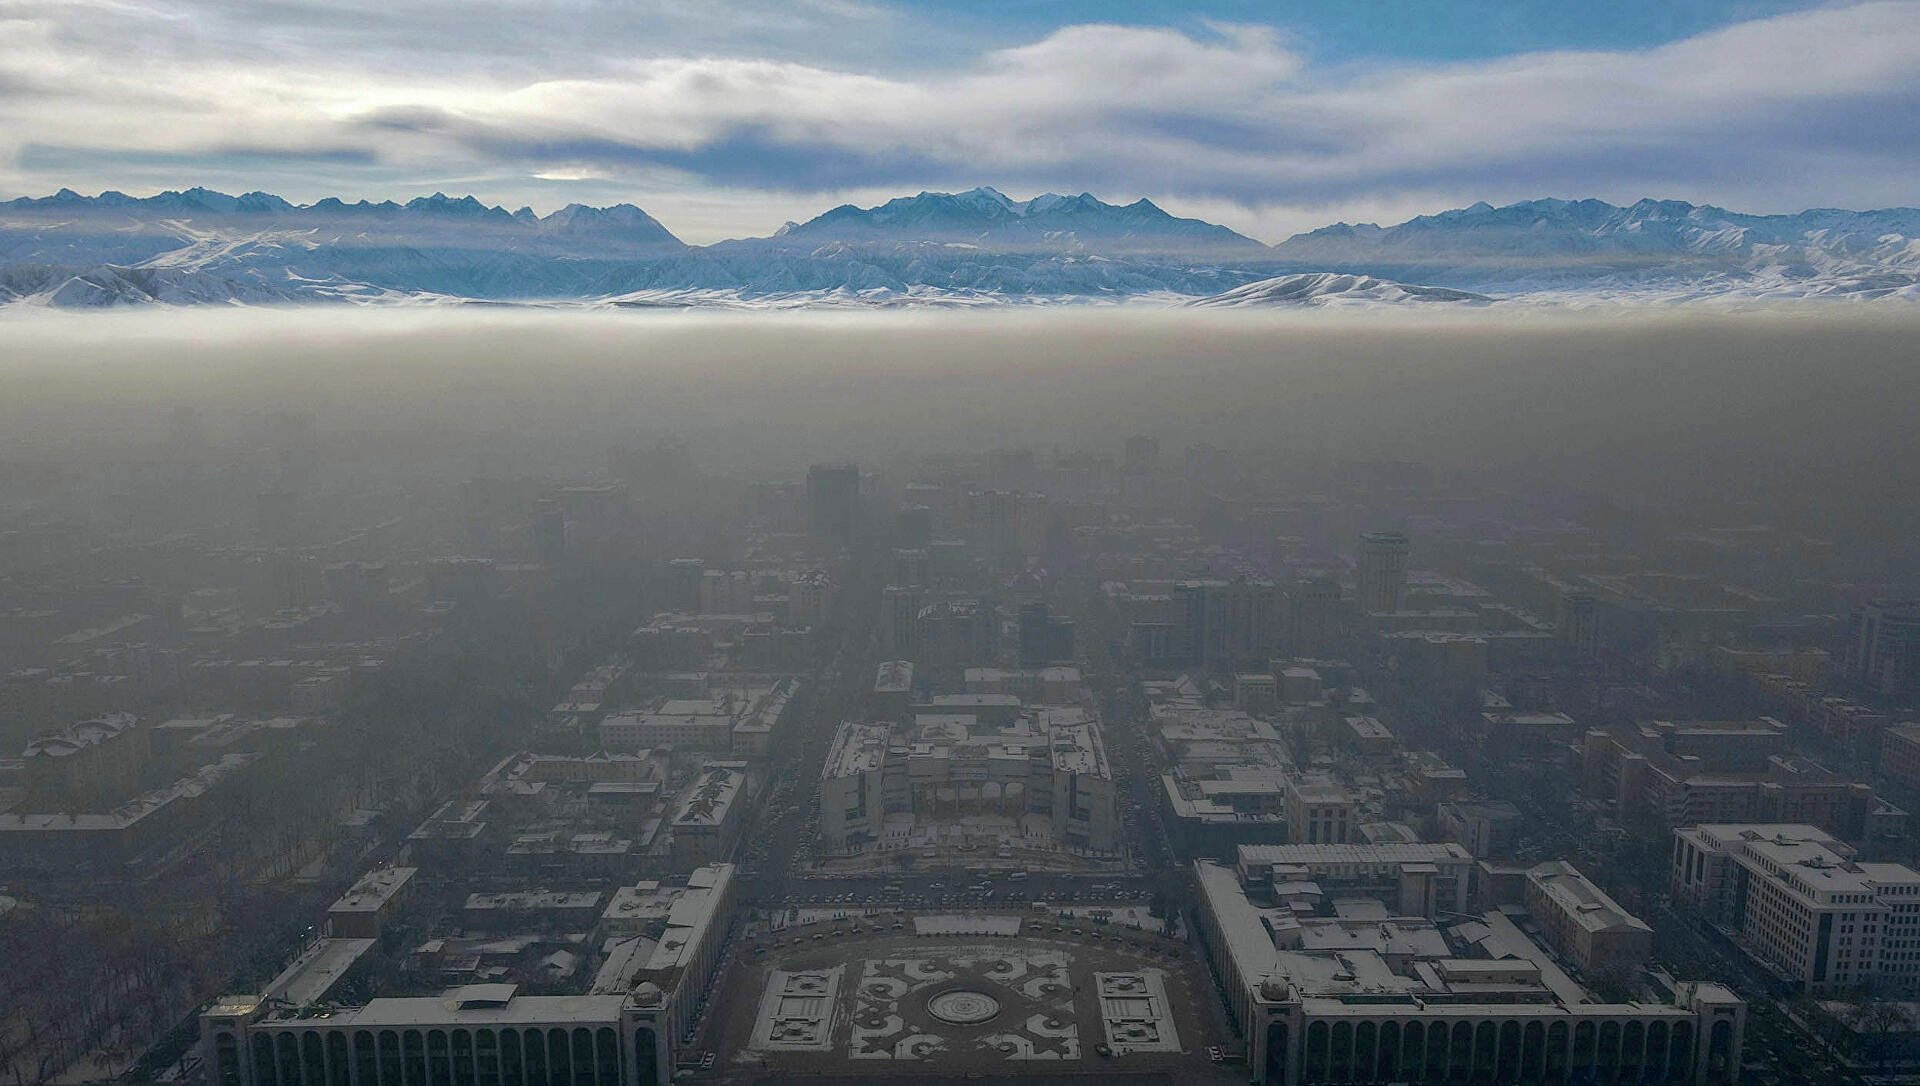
{"x": 619, "y": 1031}
{"x": 1346, "y": 989}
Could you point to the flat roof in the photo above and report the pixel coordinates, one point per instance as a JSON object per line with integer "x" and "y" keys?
{"x": 893, "y": 677}
{"x": 690, "y": 919}
{"x": 1077, "y": 749}
{"x": 665, "y": 719}
{"x": 1366, "y": 727}
{"x": 373, "y": 889}
{"x": 1387, "y": 852}
{"x": 857, "y": 748}
{"x": 78, "y": 737}
{"x": 710, "y": 798}
{"x": 1318, "y": 791}
{"x": 1243, "y": 926}
{"x": 448, "y": 1008}
{"x": 316, "y": 970}
{"x": 1586, "y": 904}
{"x": 535, "y": 900}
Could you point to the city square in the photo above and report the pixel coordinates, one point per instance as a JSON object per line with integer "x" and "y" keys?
{"x": 1037, "y": 997}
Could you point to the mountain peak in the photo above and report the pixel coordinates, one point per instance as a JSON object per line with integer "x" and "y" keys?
{"x": 986, "y": 217}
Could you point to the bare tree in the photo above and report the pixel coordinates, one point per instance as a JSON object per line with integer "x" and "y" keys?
{"x": 1875, "y": 1023}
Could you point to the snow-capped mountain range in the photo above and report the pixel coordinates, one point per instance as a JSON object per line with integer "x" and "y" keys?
{"x": 1319, "y": 289}
{"x": 987, "y": 219}
{"x": 1666, "y": 246}
{"x": 969, "y": 248}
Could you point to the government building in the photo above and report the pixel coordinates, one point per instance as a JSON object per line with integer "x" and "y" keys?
{"x": 619, "y": 1030}
{"x": 1357, "y": 991}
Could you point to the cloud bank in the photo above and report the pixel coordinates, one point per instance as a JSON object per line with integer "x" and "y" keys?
{"x": 1820, "y": 106}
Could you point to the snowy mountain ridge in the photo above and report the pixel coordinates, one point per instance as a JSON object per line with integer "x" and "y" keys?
{"x": 1048, "y": 223}
{"x": 969, "y": 248}
{"x": 1319, "y": 289}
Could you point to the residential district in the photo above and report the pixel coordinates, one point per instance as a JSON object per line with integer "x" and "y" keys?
{"x": 1108, "y": 764}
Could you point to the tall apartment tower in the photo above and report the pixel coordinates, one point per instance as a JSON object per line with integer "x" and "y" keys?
{"x": 833, "y": 500}
{"x": 1885, "y": 654}
{"x": 684, "y": 577}
{"x": 1383, "y": 571}
{"x": 1142, "y": 456}
{"x": 1577, "y": 623}
{"x": 1312, "y": 617}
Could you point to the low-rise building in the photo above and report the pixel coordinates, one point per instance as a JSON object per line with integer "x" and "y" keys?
{"x": 681, "y": 724}
{"x": 1900, "y": 753}
{"x": 741, "y": 720}
{"x": 90, "y": 766}
{"x": 707, "y": 821}
{"x": 1255, "y": 692}
{"x": 370, "y": 903}
{"x": 1415, "y": 879}
{"x": 762, "y": 727}
{"x": 1504, "y": 729}
{"x": 1486, "y": 827}
{"x": 1047, "y": 769}
{"x": 538, "y": 910}
{"x": 1319, "y": 812}
{"x": 1036, "y": 685}
{"x": 1586, "y": 925}
{"x": 149, "y": 823}
{"x": 1214, "y": 817}
{"x": 1721, "y": 772}
{"x": 1366, "y": 735}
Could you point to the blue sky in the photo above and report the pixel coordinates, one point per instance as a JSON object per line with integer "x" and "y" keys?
{"x": 727, "y": 117}
{"x": 1403, "y": 30}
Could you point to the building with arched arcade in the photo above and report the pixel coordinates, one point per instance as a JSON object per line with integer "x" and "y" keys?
{"x": 621, "y": 1031}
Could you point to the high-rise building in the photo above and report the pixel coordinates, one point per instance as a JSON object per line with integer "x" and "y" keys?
{"x": 913, "y": 527}
{"x": 1223, "y": 622}
{"x": 1312, "y": 617}
{"x": 549, "y": 532}
{"x": 909, "y": 566}
{"x": 684, "y": 576}
{"x": 1143, "y": 455}
{"x": 1044, "y": 638}
{"x": 833, "y": 500}
{"x": 1382, "y": 561}
{"x": 900, "y": 620}
{"x": 1886, "y": 646}
{"x": 1576, "y": 622}
{"x": 809, "y": 599}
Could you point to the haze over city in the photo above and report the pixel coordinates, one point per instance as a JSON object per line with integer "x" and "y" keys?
{"x": 898, "y": 541}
